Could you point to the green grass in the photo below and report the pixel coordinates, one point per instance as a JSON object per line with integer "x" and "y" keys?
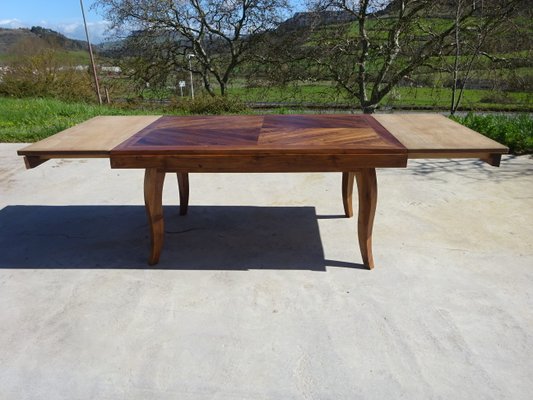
{"x": 403, "y": 97}
{"x": 320, "y": 93}
{"x": 473, "y": 99}
{"x": 29, "y": 120}
{"x": 78, "y": 57}
{"x": 65, "y": 57}
{"x": 516, "y": 132}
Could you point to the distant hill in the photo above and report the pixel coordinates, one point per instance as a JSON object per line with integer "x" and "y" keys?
{"x": 9, "y": 38}
{"x": 15, "y": 42}
{"x": 447, "y": 8}
{"x": 440, "y": 9}
{"x": 310, "y": 18}
{"x": 56, "y": 39}
{"x": 28, "y": 41}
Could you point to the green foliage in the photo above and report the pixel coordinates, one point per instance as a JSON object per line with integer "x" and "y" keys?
{"x": 73, "y": 57}
{"x": 209, "y": 105}
{"x": 324, "y": 93}
{"x": 516, "y": 132}
{"x": 28, "y": 120}
{"x": 46, "y": 75}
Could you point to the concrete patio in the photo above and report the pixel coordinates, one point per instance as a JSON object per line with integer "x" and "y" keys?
{"x": 260, "y": 293}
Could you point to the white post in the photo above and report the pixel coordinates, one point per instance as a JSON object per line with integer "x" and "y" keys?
{"x": 190, "y": 71}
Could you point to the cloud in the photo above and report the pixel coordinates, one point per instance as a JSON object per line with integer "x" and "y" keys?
{"x": 12, "y": 23}
{"x": 71, "y": 29}
{"x": 75, "y": 30}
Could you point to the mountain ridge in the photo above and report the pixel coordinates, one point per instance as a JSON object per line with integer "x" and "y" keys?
{"x": 20, "y": 41}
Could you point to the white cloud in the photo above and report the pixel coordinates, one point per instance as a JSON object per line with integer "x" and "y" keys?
{"x": 73, "y": 30}
{"x": 70, "y": 28}
{"x": 11, "y": 23}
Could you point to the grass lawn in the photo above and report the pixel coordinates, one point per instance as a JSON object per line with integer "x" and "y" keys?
{"x": 516, "y": 132}
{"x": 403, "y": 97}
{"x": 29, "y": 120}
{"x": 66, "y": 57}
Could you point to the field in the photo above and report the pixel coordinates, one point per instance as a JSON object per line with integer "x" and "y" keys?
{"x": 77, "y": 57}
{"x": 324, "y": 95}
{"x": 401, "y": 98}
{"x": 29, "y": 120}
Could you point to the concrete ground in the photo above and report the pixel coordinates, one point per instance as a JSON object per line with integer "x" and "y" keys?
{"x": 259, "y": 293}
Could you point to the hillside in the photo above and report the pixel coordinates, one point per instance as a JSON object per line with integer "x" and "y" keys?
{"x": 447, "y": 8}
{"x": 16, "y": 42}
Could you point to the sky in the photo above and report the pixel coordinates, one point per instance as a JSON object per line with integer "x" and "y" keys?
{"x": 60, "y": 15}
{"x": 63, "y": 16}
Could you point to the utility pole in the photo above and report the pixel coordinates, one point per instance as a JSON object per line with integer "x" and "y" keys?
{"x": 91, "y": 55}
{"x": 190, "y": 70}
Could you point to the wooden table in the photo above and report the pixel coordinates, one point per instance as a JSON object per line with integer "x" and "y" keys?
{"x": 354, "y": 145}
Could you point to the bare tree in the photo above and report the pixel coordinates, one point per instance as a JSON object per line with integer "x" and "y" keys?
{"x": 219, "y": 33}
{"x": 390, "y": 41}
{"x": 492, "y": 17}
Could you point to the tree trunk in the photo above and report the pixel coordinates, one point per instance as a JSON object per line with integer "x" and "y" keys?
{"x": 368, "y": 108}
{"x": 222, "y": 88}
{"x": 207, "y": 85}
{"x": 454, "y": 104}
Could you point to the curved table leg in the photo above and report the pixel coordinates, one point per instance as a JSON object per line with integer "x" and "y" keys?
{"x": 347, "y": 190}
{"x": 153, "y": 200}
{"x": 368, "y": 192}
{"x": 183, "y": 185}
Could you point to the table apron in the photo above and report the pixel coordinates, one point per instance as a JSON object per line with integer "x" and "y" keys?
{"x": 258, "y": 163}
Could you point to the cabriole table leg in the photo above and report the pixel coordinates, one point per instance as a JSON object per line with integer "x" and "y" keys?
{"x": 368, "y": 194}
{"x": 347, "y": 190}
{"x": 153, "y": 200}
{"x": 183, "y": 185}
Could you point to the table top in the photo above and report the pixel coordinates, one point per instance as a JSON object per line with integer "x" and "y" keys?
{"x": 95, "y": 137}
{"x": 380, "y": 136}
{"x": 261, "y": 143}
{"x": 427, "y": 134}
{"x": 258, "y": 134}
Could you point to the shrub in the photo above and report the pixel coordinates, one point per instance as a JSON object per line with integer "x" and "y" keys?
{"x": 42, "y": 75}
{"x": 209, "y": 105}
{"x": 497, "y": 98}
{"x": 516, "y": 132}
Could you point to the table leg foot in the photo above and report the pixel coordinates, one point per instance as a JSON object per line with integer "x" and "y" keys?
{"x": 183, "y": 185}
{"x": 153, "y": 200}
{"x": 347, "y": 190}
{"x": 368, "y": 191}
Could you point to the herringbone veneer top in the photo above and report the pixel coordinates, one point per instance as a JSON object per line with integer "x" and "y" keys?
{"x": 295, "y": 134}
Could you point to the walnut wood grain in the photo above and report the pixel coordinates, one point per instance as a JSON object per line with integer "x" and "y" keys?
{"x": 153, "y": 200}
{"x": 260, "y": 163}
{"x": 34, "y": 161}
{"x": 354, "y": 134}
{"x": 368, "y": 194}
{"x": 272, "y": 143}
{"x": 347, "y": 191}
{"x": 255, "y": 134}
{"x": 183, "y": 186}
